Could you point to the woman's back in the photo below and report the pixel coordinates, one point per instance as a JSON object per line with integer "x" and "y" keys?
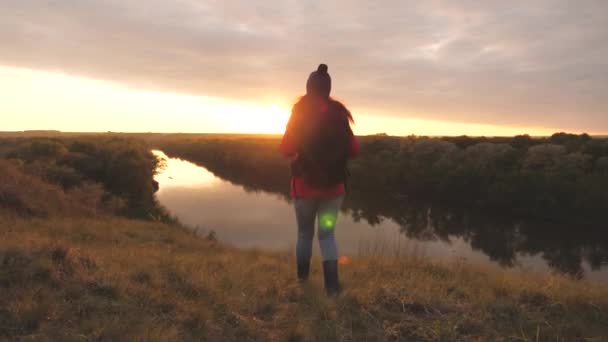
{"x": 323, "y": 138}
{"x": 319, "y": 141}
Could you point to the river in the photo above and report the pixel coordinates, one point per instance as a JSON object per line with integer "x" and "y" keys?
{"x": 266, "y": 221}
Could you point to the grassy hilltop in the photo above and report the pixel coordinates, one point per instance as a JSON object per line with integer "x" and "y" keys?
{"x": 83, "y": 258}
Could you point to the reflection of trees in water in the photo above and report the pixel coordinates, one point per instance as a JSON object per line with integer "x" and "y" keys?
{"x": 564, "y": 248}
{"x": 373, "y": 196}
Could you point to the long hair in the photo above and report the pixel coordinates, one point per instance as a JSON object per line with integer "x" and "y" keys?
{"x": 307, "y": 102}
{"x": 304, "y": 120}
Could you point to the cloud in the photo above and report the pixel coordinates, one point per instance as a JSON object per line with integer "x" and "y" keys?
{"x": 535, "y": 63}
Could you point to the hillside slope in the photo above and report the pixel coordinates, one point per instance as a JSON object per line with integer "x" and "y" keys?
{"x": 110, "y": 278}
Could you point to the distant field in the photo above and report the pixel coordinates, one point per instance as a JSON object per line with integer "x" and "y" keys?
{"x": 558, "y": 178}
{"x": 189, "y": 135}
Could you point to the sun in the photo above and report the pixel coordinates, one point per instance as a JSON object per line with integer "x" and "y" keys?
{"x": 251, "y": 118}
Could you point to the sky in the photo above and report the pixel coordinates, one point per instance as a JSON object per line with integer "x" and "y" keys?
{"x": 403, "y": 67}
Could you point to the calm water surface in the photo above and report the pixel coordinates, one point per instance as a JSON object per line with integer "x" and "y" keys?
{"x": 263, "y": 220}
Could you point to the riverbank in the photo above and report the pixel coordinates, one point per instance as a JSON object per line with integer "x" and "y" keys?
{"x": 110, "y": 278}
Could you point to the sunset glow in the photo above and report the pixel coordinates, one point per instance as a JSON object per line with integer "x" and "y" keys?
{"x": 70, "y": 103}
{"x": 474, "y": 68}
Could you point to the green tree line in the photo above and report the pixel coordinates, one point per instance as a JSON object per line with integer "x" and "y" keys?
{"x": 562, "y": 178}
{"x": 122, "y": 168}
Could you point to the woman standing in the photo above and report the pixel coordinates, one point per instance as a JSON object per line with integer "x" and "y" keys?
{"x": 319, "y": 141}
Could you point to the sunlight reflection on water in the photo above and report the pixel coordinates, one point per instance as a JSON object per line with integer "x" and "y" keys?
{"x": 181, "y": 173}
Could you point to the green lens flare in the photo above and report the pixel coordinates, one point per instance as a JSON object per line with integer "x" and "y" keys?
{"x": 327, "y": 221}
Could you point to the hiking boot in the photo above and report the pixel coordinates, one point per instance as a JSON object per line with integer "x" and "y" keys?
{"x": 330, "y": 275}
{"x": 303, "y": 270}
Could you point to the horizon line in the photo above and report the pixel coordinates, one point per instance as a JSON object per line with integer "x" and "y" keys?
{"x": 52, "y": 131}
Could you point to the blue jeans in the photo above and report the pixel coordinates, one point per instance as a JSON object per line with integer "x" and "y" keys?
{"x": 325, "y": 211}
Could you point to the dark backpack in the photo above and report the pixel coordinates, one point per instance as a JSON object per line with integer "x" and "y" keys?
{"x": 324, "y": 148}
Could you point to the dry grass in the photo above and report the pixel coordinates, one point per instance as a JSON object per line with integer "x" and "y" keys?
{"x": 117, "y": 279}
{"x": 27, "y": 195}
